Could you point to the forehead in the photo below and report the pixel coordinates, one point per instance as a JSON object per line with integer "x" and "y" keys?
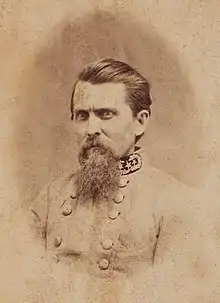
{"x": 89, "y": 95}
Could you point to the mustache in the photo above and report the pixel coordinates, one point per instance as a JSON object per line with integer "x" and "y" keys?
{"x": 92, "y": 146}
{"x": 91, "y": 142}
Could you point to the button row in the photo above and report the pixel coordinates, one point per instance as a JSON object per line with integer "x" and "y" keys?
{"x": 119, "y": 198}
{"x": 103, "y": 264}
{"x": 123, "y": 182}
{"x": 107, "y": 244}
{"x": 67, "y": 210}
{"x": 113, "y": 214}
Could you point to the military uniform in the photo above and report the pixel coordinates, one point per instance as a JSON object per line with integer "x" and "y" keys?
{"x": 111, "y": 251}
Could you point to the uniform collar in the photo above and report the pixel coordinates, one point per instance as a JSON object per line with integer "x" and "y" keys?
{"x": 132, "y": 162}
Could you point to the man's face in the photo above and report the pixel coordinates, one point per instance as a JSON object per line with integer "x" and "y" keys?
{"x": 101, "y": 111}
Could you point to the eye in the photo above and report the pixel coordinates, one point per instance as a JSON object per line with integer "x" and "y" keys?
{"x": 81, "y": 115}
{"x": 105, "y": 114}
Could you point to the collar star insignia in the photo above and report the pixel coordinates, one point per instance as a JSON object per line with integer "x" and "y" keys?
{"x": 130, "y": 164}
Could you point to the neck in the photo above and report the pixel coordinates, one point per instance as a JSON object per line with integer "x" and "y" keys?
{"x": 132, "y": 150}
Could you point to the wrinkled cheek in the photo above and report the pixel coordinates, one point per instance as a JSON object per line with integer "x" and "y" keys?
{"x": 79, "y": 140}
{"x": 119, "y": 136}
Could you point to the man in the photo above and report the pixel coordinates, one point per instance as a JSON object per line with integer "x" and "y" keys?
{"x": 116, "y": 227}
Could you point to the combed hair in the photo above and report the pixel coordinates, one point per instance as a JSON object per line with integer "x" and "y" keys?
{"x": 111, "y": 71}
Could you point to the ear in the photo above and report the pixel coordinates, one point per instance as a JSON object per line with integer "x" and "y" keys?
{"x": 142, "y": 119}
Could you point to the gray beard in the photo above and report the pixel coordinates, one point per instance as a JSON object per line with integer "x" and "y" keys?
{"x": 98, "y": 176}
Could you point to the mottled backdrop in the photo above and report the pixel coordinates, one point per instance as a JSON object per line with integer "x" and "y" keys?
{"x": 44, "y": 44}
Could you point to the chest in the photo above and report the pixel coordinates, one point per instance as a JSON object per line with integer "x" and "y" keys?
{"x": 116, "y": 235}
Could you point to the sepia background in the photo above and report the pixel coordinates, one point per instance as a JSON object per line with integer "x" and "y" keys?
{"x": 45, "y": 43}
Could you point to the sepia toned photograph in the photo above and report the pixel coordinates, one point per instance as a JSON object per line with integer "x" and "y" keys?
{"x": 110, "y": 146}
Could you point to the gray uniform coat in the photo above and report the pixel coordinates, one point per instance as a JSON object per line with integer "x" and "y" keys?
{"x": 147, "y": 243}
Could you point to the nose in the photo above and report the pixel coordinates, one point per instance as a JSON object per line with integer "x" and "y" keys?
{"x": 93, "y": 126}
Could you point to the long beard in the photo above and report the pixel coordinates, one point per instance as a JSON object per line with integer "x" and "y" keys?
{"x": 99, "y": 174}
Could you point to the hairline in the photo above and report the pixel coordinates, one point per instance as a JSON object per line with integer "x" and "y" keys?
{"x": 111, "y": 81}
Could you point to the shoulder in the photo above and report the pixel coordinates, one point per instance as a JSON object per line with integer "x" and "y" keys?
{"x": 159, "y": 178}
{"x": 179, "y": 206}
{"x": 54, "y": 191}
{"x": 174, "y": 193}
{"x": 169, "y": 189}
{"x": 49, "y": 198}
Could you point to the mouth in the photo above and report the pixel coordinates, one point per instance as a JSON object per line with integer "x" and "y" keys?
{"x": 93, "y": 146}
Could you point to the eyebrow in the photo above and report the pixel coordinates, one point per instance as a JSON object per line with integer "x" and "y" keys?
{"x": 96, "y": 109}
{"x": 104, "y": 109}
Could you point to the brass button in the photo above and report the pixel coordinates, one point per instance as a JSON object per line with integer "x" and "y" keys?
{"x": 73, "y": 195}
{"x": 113, "y": 214}
{"x": 67, "y": 210}
{"x": 103, "y": 264}
{"x": 118, "y": 198}
{"x": 57, "y": 241}
{"x": 123, "y": 182}
{"x": 107, "y": 244}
